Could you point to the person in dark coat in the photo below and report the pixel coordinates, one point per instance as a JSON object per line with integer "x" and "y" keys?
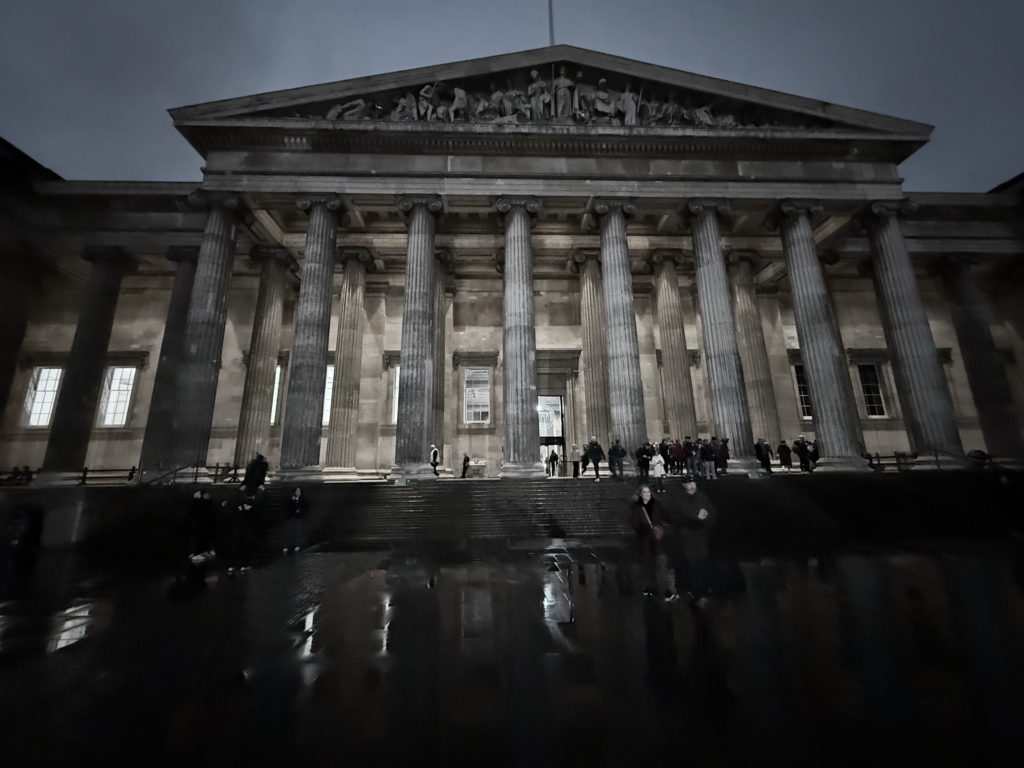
{"x": 239, "y": 526}
{"x": 256, "y": 473}
{"x": 654, "y": 530}
{"x": 203, "y": 527}
{"x": 763, "y": 452}
{"x": 695, "y": 517}
{"x": 553, "y": 464}
{"x": 678, "y": 454}
{"x": 465, "y": 464}
{"x": 298, "y": 507}
{"x": 435, "y": 459}
{"x": 785, "y": 454}
{"x": 803, "y": 452}
{"x": 616, "y": 456}
{"x": 643, "y": 462}
{"x": 595, "y": 453}
{"x": 722, "y": 456}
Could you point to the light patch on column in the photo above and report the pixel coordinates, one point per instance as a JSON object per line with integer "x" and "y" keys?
{"x": 327, "y": 395}
{"x": 394, "y": 395}
{"x": 42, "y": 394}
{"x": 117, "y": 396}
{"x": 277, "y": 392}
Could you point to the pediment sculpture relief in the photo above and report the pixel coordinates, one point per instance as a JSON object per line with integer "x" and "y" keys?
{"x": 565, "y": 97}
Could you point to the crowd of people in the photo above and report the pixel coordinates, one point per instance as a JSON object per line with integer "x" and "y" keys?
{"x": 228, "y": 532}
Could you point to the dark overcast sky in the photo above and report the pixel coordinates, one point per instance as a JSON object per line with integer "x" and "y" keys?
{"x": 85, "y": 84}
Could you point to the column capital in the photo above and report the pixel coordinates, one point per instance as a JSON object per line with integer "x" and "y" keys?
{"x": 580, "y": 257}
{"x": 791, "y": 208}
{"x": 700, "y": 204}
{"x": 669, "y": 256}
{"x": 268, "y": 252}
{"x": 179, "y": 253}
{"x": 110, "y": 255}
{"x": 203, "y": 199}
{"x": 883, "y": 209}
{"x": 602, "y": 206}
{"x": 307, "y": 202}
{"x": 531, "y": 205}
{"x": 950, "y": 262}
{"x": 432, "y": 203}
{"x": 738, "y": 255}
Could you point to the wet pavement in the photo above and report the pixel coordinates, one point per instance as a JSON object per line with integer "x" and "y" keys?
{"x": 533, "y": 653}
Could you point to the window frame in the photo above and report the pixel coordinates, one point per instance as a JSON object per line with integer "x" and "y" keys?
{"x": 798, "y": 376}
{"x": 108, "y": 371}
{"x": 30, "y": 392}
{"x": 879, "y": 385}
{"x": 490, "y": 396}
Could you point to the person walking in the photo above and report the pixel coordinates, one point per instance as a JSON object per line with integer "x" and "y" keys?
{"x": 574, "y": 457}
{"x": 691, "y": 451}
{"x": 803, "y": 453}
{"x": 596, "y": 455}
{"x": 465, "y": 465}
{"x": 240, "y": 522}
{"x": 298, "y": 507}
{"x": 785, "y": 456}
{"x": 763, "y": 452}
{"x": 616, "y": 457}
{"x": 658, "y": 471}
{"x": 722, "y": 456}
{"x": 553, "y": 464}
{"x": 649, "y": 520}
{"x": 695, "y": 517}
{"x": 435, "y": 459}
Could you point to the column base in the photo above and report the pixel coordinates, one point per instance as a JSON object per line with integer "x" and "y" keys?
{"x": 296, "y": 475}
{"x": 339, "y": 474}
{"x": 413, "y": 473}
{"x": 842, "y": 464}
{"x": 192, "y": 476}
{"x": 523, "y": 471}
{"x": 743, "y": 465}
{"x": 945, "y": 461}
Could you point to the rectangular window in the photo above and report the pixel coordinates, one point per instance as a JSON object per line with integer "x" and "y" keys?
{"x": 549, "y": 413}
{"x": 394, "y": 396}
{"x": 477, "y": 396}
{"x": 277, "y": 394}
{"x": 42, "y": 394}
{"x": 803, "y": 393}
{"x": 328, "y": 392}
{"x": 117, "y": 396}
{"x": 872, "y": 389}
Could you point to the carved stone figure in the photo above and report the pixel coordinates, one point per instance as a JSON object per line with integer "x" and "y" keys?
{"x": 405, "y": 108}
{"x": 652, "y": 111}
{"x": 539, "y": 96}
{"x": 514, "y": 102}
{"x": 460, "y": 105}
{"x": 602, "y": 103}
{"x": 425, "y": 105}
{"x": 673, "y": 113}
{"x": 563, "y": 105}
{"x": 353, "y": 110}
{"x": 583, "y": 100}
{"x": 627, "y": 104}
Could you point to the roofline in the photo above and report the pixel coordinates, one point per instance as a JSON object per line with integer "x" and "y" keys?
{"x": 701, "y": 83}
{"x": 1016, "y": 184}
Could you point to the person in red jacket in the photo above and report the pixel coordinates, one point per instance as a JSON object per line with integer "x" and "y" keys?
{"x": 650, "y": 520}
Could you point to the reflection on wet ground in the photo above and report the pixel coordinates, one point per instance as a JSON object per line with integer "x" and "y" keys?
{"x": 536, "y": 654}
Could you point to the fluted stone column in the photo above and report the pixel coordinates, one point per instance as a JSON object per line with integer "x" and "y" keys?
{"x": 522, "y": 425}
{"x": 196, "y": 389}
{"x": 625, "y": 387}
{"x": 158, "y": 443}
{"x": 923, "y": 390}
{"x": 264, "y": 348}
{"x": 726, "y": 383}
{"x": 675, "y": 359}
{"x": 416, "y": 379}
{"x": 307, "y": 366}
{"x": 343, "y": 433}
{"x": 595, "y": 347}
{"x": 986, "y": 373}
{"x": 444, "y": 267}
{"x": 19, "y": 272}
{"x": 757, "y": 374}
{"x": 75, "y": 412}
{"x": 836, "y": 423}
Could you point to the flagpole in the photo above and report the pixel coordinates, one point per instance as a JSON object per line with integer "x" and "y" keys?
{"x": 551, "y": 22}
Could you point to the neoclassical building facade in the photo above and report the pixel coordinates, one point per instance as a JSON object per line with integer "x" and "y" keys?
{"x": 500, "y": 257}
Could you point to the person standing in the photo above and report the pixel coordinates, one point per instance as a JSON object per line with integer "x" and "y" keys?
{"x": 763, "y": 452}
{"x": 553, "y": 463}
{"x": 649, "y": 520}
{"x": 690, "y": 448}
{"x": 616, "y": 455}
{"x": 658, "y": 471}
{"x": 678, "y": 454}
{"x": 707, "y": 458}
{"x": 785, "y": 454}
{"x": 802, "y": 451}
{"x": 722, "y": 456}
{"x": 596, "y": 455}
{"x": 465, "y": 465}
{"x": 298, "y": 507}
{"x": 203, "y": 524}
{"x": 240, "y": 530}
{"x": 574, "y": 454}
{"x": 435, "y": 459}
{"x": 643, "y": 462}
{"x": 695, "y": 516}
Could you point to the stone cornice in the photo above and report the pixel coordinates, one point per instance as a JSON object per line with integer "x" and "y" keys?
{"x": 473, "y": 357}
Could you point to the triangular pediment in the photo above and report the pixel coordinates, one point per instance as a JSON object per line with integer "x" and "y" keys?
{"x": 549, "y": 86}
